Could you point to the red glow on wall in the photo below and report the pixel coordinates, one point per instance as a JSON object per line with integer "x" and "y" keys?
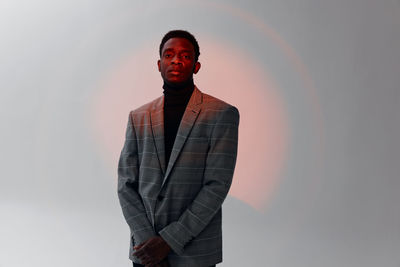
{"x": 227, "y": 73}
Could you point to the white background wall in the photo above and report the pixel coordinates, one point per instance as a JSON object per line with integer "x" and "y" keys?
{"x": 337, "y": 71}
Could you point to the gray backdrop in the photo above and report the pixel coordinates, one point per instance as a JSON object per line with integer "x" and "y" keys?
{"x": 336, "y": 70}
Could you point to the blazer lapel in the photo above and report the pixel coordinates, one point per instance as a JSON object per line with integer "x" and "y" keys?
{"x": 157, "y": 127}
{"x": 189, "y": 117}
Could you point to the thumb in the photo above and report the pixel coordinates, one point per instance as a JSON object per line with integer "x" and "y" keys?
{"x": 138, "y": 246}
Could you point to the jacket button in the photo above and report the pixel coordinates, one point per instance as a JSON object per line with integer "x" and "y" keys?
{"x": 160, "y": 197}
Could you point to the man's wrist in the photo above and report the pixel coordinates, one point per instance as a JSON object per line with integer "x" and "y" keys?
{"x": 166, "y": 243}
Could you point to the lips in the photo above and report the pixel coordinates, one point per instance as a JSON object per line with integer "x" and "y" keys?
{"x": 174, "y": 72}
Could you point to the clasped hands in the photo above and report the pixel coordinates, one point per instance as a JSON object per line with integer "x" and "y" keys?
{"x": 153, "y": 252}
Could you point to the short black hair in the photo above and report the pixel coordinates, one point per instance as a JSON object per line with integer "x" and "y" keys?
{"x": 181, "y": 34}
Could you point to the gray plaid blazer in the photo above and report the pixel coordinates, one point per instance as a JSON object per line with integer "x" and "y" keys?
{"x": 180, "y": 201}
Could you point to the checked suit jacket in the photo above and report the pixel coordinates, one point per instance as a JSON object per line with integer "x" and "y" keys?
{"x": 179, "y": 200}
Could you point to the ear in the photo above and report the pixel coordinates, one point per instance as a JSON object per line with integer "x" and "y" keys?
{"x": 159, "y": 65}
{"x": 197, "y": 66}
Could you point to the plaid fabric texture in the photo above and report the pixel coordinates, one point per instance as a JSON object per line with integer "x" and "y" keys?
{"x": 179, "y": 200}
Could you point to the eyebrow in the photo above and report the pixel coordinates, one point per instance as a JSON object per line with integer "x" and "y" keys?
{"x": 171, "y": 49}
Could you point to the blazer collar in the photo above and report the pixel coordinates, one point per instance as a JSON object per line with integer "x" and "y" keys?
{"x": 157, "y": 125}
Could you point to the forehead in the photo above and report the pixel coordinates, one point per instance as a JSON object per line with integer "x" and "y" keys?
{"x": 178, "y": 43}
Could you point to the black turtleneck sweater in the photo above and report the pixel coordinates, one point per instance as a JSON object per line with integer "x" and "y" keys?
{"x": 176, "y": 98}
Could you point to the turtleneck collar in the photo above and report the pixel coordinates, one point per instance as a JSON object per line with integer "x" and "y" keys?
{"x": 178, "y": 88}
{"x": 177, "y": 95}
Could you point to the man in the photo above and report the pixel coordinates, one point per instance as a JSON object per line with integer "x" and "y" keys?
{"x": 177, "y": 164}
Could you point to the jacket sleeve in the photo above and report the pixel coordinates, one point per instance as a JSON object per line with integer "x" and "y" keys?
{"x": 218, "y": 173}
{"x": 129, "y": 198}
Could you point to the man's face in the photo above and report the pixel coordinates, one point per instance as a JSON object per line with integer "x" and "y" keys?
{"x": 177, "y": 63}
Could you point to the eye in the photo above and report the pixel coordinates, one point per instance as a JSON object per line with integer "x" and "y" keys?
{"x": 167, "y": 54}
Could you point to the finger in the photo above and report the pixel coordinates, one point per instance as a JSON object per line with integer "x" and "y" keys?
{"x": 135, "y": 253}
{"x": 139, "y": 253}
{"x": 146, "y": 260}
{"x": 141, "y": 245}
{"x": 152, "y": 263}
{"x": 138, "y": 246}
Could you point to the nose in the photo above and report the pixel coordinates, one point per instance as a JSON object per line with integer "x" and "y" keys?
{"x": 176, "y": 60}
